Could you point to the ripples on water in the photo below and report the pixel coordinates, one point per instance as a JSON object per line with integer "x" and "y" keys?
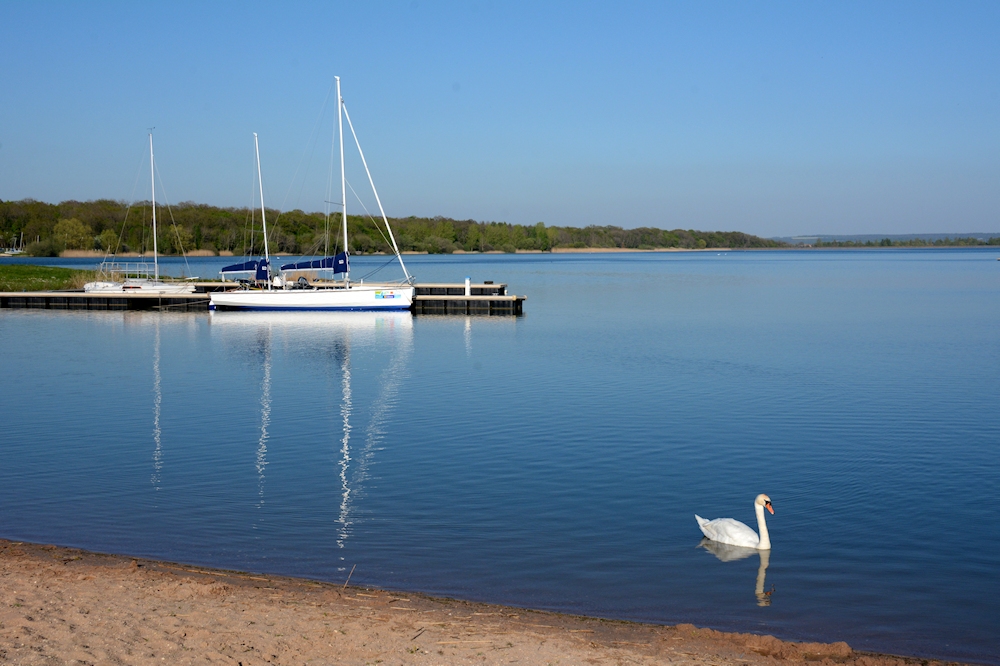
{"x": 554, "y": 460}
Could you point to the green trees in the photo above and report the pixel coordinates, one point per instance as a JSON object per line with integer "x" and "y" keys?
{"x": 73, "y": 234}
{"x": 913, "y": 242}
{"x": 113, "y": 226}
{"x": 108, "y": 240}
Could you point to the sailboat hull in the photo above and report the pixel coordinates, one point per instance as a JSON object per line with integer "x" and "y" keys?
{"x": 361, "y": 297}
{"x": 137, "y": 287}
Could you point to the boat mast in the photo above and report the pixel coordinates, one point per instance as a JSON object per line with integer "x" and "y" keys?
{"x": 152, "y": 178}
{"x": 381, "y": 210}
{"x": 263, "y": 219}
{"x": 343, "y": 177}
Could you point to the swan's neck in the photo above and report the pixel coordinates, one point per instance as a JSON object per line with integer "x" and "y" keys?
{"x": 765, "y": 540}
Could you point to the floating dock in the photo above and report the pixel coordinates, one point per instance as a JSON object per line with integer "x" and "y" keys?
{"x": 450, "y": 299}
{"x": 482, "y": 299}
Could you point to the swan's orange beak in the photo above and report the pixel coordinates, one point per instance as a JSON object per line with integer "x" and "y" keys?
{"x": 768, "y": 505}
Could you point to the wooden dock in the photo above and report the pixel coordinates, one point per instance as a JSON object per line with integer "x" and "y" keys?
{"x": 78, "y": 300}
{"x": 450, "y": 299}
{"x": 429, "y": 299}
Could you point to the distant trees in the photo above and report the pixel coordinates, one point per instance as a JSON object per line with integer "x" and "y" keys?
{"x": 72, "y": 234}
{"x": 114, "y": 226}
{"x": 108, "y": 241}
{"x": 913, "y": 242}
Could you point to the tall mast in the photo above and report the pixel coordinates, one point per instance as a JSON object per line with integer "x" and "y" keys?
{"x": 343, "y": 178}
{"x": 152, "y": 178}
{"x": 263, "y": 219}
{"x": 385, "y": 220}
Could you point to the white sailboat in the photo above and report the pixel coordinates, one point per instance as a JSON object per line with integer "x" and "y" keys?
{"x": 135, "y": 277}
{"x": 271, "y": 291}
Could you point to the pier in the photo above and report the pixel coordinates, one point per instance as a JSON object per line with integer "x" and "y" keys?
{"x": 482, "y": 299}
{"x": 429, "y": 299}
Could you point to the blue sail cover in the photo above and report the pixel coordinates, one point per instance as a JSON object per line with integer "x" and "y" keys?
{"x": 258, "y": 267}
{"x": 262, "y": 272}
{"x": 338, "y": 264}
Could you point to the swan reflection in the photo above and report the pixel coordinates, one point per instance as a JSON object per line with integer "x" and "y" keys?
{"x": 727, "y": 553}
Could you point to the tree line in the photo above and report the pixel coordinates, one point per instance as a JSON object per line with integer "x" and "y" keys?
{"x": 113, "y": 226}
{"x": 912, "y": 242}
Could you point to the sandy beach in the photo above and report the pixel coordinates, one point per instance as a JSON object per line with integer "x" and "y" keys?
{"x": 67, "y": 606}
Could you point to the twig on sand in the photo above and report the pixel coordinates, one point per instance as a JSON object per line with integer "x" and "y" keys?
{"x": 349, "y": 577}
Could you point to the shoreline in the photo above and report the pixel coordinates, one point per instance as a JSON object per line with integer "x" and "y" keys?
{"x": 91, "y": 254}
{"x": 73, "y": 605}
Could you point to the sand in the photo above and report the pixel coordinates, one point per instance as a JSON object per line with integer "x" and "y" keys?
{"x": 67, "y": 606}
{"x": 563, "y": 250}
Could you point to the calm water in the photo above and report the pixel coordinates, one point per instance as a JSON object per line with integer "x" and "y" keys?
{"x": 555, "y": 460}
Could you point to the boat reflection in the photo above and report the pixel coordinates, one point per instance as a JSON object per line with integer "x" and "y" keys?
{"x": 327, "y": 339}
{"x": 727, "y": 553}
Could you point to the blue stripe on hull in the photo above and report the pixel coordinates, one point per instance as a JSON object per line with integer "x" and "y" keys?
{"x": 213, "y": 306}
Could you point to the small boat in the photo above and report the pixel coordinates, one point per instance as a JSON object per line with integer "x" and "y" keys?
{"x": 268, "y": 289}
{"x": 136, "y": 277}
{"x": 17, "y": 249}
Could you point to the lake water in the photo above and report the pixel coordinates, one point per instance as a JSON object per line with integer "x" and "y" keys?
{"x": 554, "y": 460}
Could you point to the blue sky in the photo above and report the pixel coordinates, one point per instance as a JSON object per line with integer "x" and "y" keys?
{"x": 772, "y": 118}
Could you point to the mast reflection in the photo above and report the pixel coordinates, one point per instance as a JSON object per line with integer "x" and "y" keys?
{"x": 346, "y": 406}
{"x": 327, "y": 341}
{"x": 264, "y": 345}
{"x": 157, "y": 400}
{"x": 397, "y": 332}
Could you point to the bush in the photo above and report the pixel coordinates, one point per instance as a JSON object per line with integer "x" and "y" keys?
{"x": 43, "y": 248}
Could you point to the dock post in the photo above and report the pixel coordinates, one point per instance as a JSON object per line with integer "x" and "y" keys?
{"x": 468, "y": 286}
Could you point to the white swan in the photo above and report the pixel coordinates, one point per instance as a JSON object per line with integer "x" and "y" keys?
{"x": 735, "y": 533}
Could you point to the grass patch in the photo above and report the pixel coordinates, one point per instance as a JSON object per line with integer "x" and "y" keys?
{"x": 26, "y": 277}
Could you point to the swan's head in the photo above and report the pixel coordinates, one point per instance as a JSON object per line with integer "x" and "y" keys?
{"x": 764, "y": 501}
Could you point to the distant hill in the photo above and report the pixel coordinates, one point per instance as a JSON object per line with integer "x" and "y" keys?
{"x": 911, "y": 240}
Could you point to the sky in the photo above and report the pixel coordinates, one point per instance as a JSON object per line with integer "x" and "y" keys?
{"x": 773, "y": 118}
